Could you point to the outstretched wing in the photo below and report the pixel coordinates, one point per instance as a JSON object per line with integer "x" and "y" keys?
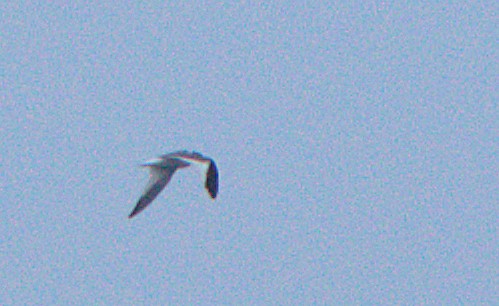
{"x": 211, "y": 183}
{"x": 159, "y": 179}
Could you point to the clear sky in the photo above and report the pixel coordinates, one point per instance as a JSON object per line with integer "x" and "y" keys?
{"x": 357, "y": 144}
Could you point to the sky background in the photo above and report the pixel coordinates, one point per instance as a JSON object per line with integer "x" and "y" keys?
{"x": 357, "y": 145}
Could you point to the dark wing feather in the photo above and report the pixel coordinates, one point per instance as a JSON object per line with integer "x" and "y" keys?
{"x": 158, "y": 181}
{"x": 211, "y": 183}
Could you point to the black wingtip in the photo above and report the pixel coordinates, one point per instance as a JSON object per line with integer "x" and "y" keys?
{"x": 132, "y": 214}
{"x": 138, "y": 208}
{"x": 212, "y": 180}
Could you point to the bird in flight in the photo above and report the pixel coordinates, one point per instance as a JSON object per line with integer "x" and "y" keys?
{"x": 161, "y": 170}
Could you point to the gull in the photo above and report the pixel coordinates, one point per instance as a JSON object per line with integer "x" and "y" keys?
{"x": 161, "y": 170}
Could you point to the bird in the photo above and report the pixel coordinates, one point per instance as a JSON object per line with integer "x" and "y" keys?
{"x": 162, "y": 168}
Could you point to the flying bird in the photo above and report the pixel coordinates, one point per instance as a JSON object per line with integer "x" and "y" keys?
{"x": 161, "y": 170}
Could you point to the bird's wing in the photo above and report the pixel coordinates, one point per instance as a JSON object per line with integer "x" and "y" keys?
{"x": 189, "y": 156}
{"x": 211, "y": 183}
{"x": 159, "y": 178}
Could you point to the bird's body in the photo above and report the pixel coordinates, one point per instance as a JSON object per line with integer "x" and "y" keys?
{"x": 162, "y": 169}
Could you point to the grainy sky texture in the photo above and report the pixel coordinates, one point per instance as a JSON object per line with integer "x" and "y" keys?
{"x": 357, "y": 144}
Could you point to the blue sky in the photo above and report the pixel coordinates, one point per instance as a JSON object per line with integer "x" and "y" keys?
{"x": 356, "y": 141}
